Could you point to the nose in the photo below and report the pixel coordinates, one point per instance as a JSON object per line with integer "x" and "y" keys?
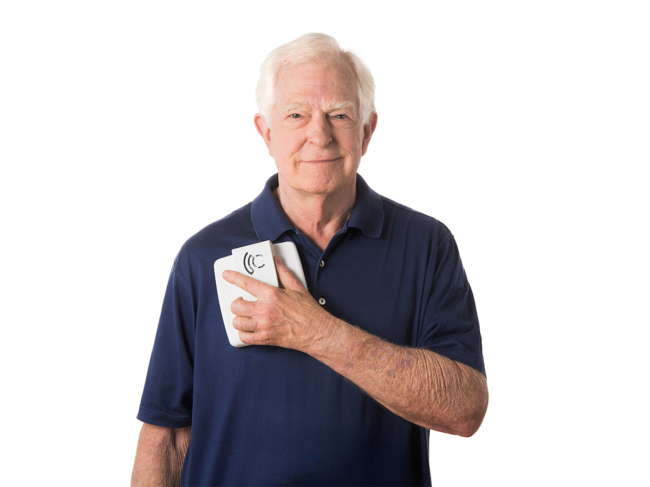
{"x": 319, "y": 131}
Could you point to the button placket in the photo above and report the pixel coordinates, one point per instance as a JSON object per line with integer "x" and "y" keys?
{"x": 322, "y": 301}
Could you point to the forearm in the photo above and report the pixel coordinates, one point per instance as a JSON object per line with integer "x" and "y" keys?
{"x": 160, "y": 456}
{"x": 416, "y": 384}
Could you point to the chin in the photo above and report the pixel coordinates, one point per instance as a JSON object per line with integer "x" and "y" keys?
{"x": 328, "y": 185}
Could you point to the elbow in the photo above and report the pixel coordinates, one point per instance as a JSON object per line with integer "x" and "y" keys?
{"x": 463, "y": 420}
{"x": 468, "y": 428}
{"x": 465, "y": 424}
{"x": 473, "y": 419}
{"x": 465, "y": 428}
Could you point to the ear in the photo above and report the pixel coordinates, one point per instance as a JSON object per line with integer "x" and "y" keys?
{"x": 368, "y": 130}
{"x": 264, "y": 130}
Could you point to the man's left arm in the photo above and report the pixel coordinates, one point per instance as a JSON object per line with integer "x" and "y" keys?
{"x": 417, "y": 384}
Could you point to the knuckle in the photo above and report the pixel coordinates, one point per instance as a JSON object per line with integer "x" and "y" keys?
{"x": 265, "y": 339}
{"x": 245, "y": 285}
{"x": 274, "y": 294}
{"x": 263, "y": 313}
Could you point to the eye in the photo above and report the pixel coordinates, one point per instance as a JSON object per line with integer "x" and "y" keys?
{"x": 294, "y": 115}
{"x": 340, "y": 117}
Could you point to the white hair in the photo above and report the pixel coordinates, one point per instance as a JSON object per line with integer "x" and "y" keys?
{"x": 307, "y": 48}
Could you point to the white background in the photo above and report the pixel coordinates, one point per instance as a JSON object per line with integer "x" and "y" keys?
{"x": 125, "y": 127}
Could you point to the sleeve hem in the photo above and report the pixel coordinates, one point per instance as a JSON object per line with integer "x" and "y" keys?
{"x": 162, "y": 419}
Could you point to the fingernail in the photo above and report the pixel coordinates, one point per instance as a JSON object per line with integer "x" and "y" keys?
{"x": 226, "y": 274}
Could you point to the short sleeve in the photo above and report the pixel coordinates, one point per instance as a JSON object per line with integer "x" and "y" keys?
{"x": 450, "y": 324}
{"x": 167, "y": 397}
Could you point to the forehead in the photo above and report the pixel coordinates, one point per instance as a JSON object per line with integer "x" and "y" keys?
{"x": 316, "y": 83}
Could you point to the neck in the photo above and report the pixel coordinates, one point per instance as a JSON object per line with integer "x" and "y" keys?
{"x": 318, "y": 216}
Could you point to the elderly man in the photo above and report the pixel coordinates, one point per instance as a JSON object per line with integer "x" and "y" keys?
{"x": 346, "y": 377}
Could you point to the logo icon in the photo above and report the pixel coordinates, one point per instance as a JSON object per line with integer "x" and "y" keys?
{"x": 249, "y": 262}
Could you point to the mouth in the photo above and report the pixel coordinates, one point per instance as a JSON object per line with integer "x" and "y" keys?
{"x": 323, "y": 161}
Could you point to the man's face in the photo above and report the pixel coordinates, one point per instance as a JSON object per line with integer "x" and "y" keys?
{"x": 316, "y": 136}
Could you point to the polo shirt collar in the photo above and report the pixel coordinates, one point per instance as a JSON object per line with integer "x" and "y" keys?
{"x": 270, "y": 221}
{"x": 368, "y": 214}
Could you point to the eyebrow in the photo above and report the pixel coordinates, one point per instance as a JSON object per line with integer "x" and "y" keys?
{"x": 339, "y": 105}
{"x": 296, "y": 106}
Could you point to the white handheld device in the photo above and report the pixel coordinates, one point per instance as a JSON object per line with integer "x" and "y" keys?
{"x": 256, "y": 261}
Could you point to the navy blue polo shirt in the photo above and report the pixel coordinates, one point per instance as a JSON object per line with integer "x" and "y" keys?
{"x": 271, "y": 416}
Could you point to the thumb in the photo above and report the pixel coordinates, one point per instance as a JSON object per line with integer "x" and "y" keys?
{"x": 286, "y": 277}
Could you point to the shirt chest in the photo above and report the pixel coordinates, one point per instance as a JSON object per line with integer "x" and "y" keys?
{"x": 366, "y": 283}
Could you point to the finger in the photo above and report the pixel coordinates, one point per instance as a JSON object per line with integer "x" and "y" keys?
{"x": 286, "y": 277}
{"x": 250, "y": 338}
{"x": 247, "y": 325}
{"x": 241, "y": 307}
{"x": 248, "y": 284}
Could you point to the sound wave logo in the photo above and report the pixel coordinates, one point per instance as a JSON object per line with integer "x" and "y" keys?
{"x": 249, "y": 262}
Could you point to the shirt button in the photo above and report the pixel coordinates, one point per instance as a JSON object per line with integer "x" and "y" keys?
{"x": 322, "y": 263}
{"x": 322, "y": 301}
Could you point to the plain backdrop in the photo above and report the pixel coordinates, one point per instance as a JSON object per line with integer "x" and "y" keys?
{"x": 126, "y": 127}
